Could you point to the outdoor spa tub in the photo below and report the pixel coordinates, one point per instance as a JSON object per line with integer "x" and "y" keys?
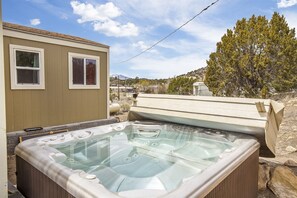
{"x": 139, "y": 159}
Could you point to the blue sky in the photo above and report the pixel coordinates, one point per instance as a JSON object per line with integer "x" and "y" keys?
{"x": 130, "y": 26}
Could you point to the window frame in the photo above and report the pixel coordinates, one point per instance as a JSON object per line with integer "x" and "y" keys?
{"x": 13, "y": 67}
{"x": 70, "y": 69}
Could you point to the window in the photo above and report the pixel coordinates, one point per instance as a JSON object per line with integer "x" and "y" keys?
{"x": 26, "y": 67}
{"x": 83, "y": 71}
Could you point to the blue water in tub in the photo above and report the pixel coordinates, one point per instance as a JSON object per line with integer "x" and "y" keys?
{"x": 156, "y": 157}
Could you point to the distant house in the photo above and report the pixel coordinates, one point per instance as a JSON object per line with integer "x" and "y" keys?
{"x": 122, "y": 88}
{"x": 200, "y": 89}
{"x": 53, "y": 79}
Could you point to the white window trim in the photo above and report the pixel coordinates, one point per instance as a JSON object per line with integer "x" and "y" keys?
{"x": 84, "y": 56}
{"x": 13, "y": 67}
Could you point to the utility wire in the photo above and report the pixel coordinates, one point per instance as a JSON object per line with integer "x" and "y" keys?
{"x": 174, "y": 31}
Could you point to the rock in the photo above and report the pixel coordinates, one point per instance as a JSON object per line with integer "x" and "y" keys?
{"x": 266, "y": 194}
{"x": 290, "y": 162}
{"x": 283, "y": 182}
{"x": 291, "y": 149}
{"x": 263, "y": 176}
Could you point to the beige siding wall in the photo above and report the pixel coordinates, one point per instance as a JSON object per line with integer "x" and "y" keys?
{"x": 57, "y": 104}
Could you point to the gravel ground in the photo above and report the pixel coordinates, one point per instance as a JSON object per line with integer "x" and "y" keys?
{"x": 11, "y": 166}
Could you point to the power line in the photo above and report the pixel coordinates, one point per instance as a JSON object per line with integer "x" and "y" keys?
{"x": 171, "y": 33}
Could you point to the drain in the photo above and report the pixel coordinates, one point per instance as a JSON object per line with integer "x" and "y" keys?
{"x": 127, "y": 159}
{"x": 155, "y": 144}
{"x": 135, "y": 155}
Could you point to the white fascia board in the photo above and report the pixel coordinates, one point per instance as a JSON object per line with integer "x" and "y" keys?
{"x": 44, "y": 39}
{"x": 108, "y": 83}
{"x": 3, "y": 145}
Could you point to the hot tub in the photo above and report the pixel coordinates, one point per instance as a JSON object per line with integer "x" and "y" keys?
{"x": 139, "y": 159}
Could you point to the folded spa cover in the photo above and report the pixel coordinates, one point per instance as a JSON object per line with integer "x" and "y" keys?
{"x": 257, "y": 117}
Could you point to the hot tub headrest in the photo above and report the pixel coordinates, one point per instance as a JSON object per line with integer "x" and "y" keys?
{"x": 258, "y": 117}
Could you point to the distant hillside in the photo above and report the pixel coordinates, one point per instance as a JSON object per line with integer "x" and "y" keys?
{"x": 197, "y": 74}
{"x": 184, "y": 83}
{"x": 121, "y": 77}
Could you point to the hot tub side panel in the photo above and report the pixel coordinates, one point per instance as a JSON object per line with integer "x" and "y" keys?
{"x": 34, "y": 184}
{"x": 242, "y": 182}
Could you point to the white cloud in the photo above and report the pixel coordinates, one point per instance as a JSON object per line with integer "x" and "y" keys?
{"x": 89, "y": 12}
{"x": 185, "y": 51}
{"x": 183, "y": 46}
{"x": 286, "y": 3}
{"x": 173, "y": 57}
{"x": 117, "y": 49}
{"x": 173, "y": 13}
{"x": 161, "y": 67}
{"x": 64, "y": 16}
{"x": 114, "y": 28}
{"x": 164, "y": 11}
{"x": 141, "y": 45}
{"x": 53, "y": 9}
{"x": 210, "y": 33}
{"x": 35, "y": 22}
{"x": 291, "y": 19}
{"x": 102, "y": 18}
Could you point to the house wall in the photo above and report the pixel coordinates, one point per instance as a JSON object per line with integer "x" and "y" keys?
{"x": 57, "y": 104}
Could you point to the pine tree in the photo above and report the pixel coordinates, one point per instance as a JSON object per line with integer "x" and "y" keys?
{"x": 254, "y": 59}
{"x": 181, "y": 86}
